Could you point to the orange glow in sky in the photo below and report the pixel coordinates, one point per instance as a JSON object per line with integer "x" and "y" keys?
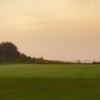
{"x": 53, "y": 29}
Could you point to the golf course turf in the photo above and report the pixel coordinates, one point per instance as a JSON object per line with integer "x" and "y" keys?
{"x": 50, "y": 82}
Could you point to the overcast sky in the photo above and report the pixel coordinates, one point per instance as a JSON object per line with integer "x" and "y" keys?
{"x": 53, "y": 29}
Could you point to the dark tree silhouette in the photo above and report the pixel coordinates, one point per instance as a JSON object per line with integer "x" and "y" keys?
{"x": 8, "y": 52}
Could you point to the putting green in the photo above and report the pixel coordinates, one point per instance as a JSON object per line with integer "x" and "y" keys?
{"x": 49, "y": 82}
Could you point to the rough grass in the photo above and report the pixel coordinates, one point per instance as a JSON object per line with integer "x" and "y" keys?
{"x": 49, "y": 82}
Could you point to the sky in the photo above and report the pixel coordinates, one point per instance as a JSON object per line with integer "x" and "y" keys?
{"x": 64, "y": 30}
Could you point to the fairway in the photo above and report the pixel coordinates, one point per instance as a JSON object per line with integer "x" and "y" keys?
{"x": 50, "y": 82}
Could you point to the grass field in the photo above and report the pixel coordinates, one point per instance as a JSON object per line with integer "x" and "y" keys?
{"x": 50, "y": 82}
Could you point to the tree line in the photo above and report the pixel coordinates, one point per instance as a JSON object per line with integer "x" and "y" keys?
{"x": 9, "y": 54}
